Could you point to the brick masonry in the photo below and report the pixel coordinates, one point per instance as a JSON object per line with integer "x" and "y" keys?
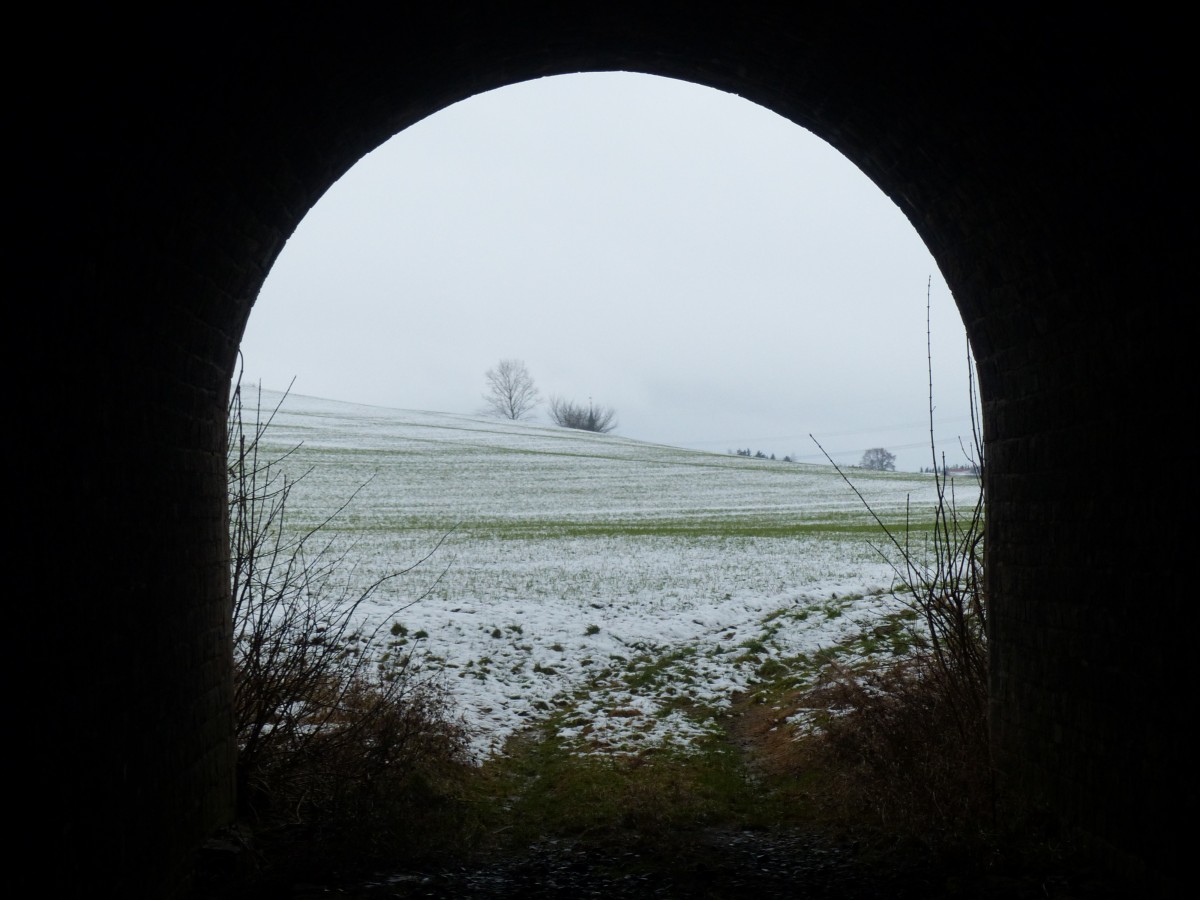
{"x": 1039, "y": 157}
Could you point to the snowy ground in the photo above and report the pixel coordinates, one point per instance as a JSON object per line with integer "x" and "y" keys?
{"x": 632, "y": 587}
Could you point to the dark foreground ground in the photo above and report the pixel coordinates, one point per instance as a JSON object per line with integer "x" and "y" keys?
{"x": 711, "y": 864}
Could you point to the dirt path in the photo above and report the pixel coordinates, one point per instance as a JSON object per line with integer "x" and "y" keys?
{"x": 714, "y": 865}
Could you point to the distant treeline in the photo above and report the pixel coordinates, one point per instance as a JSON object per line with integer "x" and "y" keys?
{"x": 758, "y": 454}
{"x": 968, "y": 469}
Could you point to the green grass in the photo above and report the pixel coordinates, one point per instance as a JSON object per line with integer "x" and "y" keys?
{"x": 546, "y": 786}
{"x": 731, "y": 526}
{"x": 541, "y": 789}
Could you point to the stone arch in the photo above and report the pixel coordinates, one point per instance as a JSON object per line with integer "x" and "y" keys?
{"x": 1039, "y": 168}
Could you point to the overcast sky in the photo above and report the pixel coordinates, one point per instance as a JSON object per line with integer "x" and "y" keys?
{"x": 717, "y": 274}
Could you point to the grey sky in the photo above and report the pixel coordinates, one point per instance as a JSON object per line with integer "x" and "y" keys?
{"x": 719, "y": 275}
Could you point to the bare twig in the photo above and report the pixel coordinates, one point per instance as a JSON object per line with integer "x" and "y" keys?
{"x": 321, "y": 704}
{"x": 946, "y": 586}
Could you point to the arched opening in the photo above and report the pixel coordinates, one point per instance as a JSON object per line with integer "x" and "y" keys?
{"x": 730, "y": 256}
{"x": 997, "y": 138}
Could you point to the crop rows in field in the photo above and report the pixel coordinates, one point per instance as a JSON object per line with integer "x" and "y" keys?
{"x": 627, "y": 589}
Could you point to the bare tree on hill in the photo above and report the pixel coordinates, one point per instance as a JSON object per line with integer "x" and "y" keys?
{"x": 879, "y": 459}
{"x": 511, "y": 393}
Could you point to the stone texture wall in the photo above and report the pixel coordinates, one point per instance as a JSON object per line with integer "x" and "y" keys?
{"x": 1038, "y": 157}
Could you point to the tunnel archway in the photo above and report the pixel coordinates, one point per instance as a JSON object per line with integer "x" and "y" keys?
{"x": 180, "y": 169}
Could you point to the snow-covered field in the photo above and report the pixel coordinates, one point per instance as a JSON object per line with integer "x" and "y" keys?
{"x": 631, "y": 587}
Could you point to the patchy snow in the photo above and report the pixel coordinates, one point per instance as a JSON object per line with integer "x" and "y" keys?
{"x": 633, "y": 586}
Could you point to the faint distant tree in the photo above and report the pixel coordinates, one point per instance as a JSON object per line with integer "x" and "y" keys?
{"x": 879, "y": 459}
{"x": 569, "y": 414}
{"x": 511, "y": 392}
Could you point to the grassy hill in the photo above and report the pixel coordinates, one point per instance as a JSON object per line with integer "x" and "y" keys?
{"x": 592, "y": 572}
{"x": 662, "y": 658}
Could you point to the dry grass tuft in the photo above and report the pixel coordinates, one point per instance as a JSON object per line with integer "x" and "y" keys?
{"x": 347, "y": 752}
{"x": 901, "y": 756}
{"x": 905, "y": 746}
